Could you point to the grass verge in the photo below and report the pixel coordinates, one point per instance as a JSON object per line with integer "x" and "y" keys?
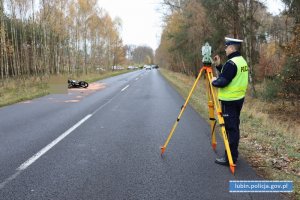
{"x": 269, "y": 144}
{"x": 27, "y": 88}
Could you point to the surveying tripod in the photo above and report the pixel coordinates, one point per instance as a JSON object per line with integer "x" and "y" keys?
{"x": 213, "y": 104}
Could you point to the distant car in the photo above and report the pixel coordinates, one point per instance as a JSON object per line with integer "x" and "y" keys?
{"x": 148, "y": 67}
{"x": 117, "y": 67}
{"x": 100, "y": 69}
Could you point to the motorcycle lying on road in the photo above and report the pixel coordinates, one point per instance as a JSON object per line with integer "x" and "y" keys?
{"x": 77, "y": 84}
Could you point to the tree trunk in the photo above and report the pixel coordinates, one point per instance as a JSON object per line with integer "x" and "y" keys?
{"x": 4, "y": 70}
{"x": 251, "y": 72}
{"x": 236, "y": 19}
{"x": 2, "y": 40}
{"x": 33, "y": 46}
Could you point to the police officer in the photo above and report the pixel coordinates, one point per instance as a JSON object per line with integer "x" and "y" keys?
{"x": 232, "y": 83}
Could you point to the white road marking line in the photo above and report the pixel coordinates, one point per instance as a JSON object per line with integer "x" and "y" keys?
{"x": 137, "y": 79}
{"x": 125, "y": 88}
{"x": 43, "y": 151}
{"x": 52, "y": 144}
{"x": 103, "y": 105}
{"x": 12, "y": 177}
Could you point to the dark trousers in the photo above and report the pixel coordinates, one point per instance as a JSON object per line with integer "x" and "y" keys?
{"x": 231, "y": 112}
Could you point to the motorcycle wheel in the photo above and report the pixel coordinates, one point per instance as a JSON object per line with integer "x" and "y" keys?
{"x": 83, "y": 84}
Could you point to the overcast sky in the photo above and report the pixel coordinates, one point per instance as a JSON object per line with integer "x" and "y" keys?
{"x": 141, "y": 21}
{"x": 274, "y": 6}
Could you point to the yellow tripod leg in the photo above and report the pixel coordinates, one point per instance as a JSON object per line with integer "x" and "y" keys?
{"x": 227, "y": 147}
{"x": 212, "y": 125}
{"x": 221, "y": 121}
{"x": 211, "y": 111}
{"x": 163, "y": 148}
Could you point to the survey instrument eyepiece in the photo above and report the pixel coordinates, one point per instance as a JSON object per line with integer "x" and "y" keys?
{"x": 206, "y": 53}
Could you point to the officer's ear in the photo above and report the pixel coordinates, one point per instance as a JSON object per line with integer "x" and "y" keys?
{"x": 237, "y": 47}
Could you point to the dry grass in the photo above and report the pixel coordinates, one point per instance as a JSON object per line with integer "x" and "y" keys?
{"x": 270, "y": 138}
{"x": 16, "y": 90}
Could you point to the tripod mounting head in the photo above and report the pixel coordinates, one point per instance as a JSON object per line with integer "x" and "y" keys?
{"x": 206, "y": 53}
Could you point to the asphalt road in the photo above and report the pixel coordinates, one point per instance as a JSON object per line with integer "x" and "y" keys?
{"x": 104, "y": 143}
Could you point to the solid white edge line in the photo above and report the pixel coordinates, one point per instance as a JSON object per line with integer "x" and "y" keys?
{"x": 52, "y": 144}
{"x": 42, "y": 152}
{"x": 125, "y": 88}
{"x": 12, "y": 177}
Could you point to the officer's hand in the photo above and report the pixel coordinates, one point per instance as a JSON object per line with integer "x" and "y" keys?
{"x": 213, "y": 79}
{"x": 217, "y": 60}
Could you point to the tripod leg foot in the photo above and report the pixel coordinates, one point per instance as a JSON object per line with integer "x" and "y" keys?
{"x": 232, "y": 168}
{"x": 214, "y": 146}
{"x": 162, "y": 150}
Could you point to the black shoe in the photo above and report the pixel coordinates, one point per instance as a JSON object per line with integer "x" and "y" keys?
{"x": 222, "y": 161}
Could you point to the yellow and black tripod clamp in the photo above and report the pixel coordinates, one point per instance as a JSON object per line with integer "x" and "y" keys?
{"x": 213, "y": 106}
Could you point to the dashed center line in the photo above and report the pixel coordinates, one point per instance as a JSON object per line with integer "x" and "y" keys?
{"x": 125, "y": 88}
